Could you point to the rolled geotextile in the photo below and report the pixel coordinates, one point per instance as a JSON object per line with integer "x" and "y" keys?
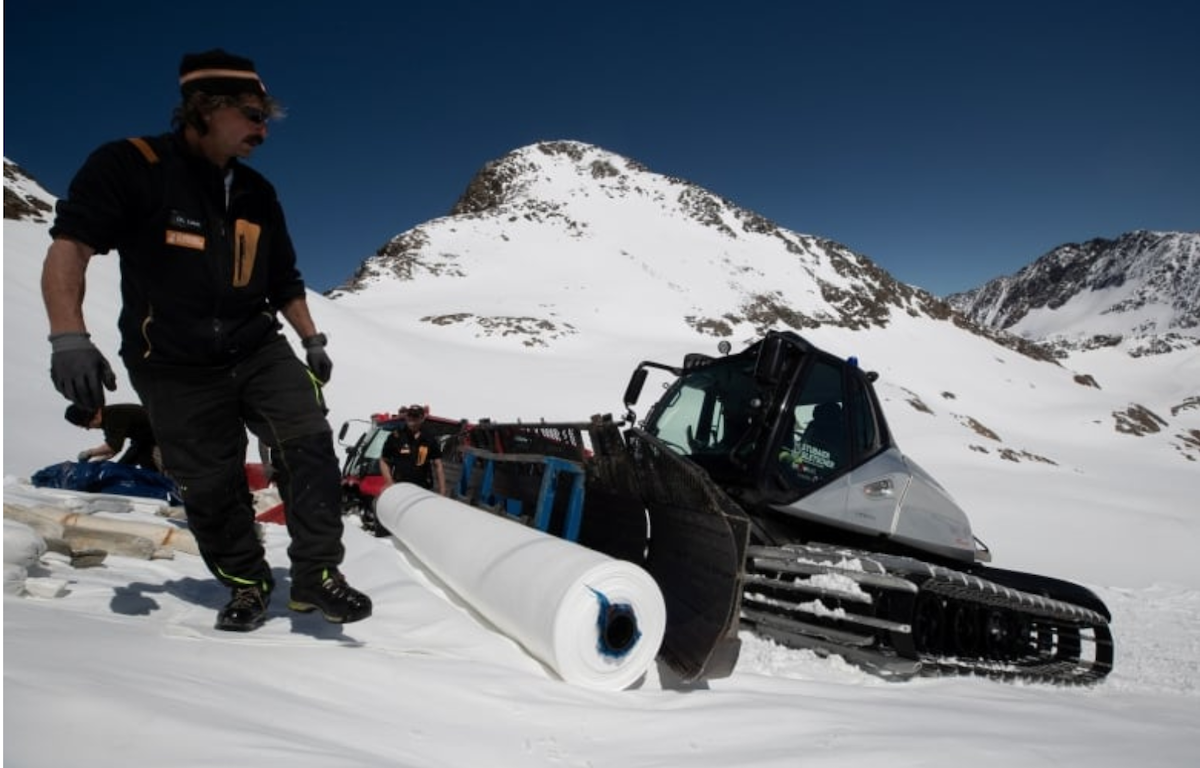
{"x": 45, "y": 523}
{"x": 23, "y": 545}
{"x": 85, "y": 528}
{"x": 595, "y": 621}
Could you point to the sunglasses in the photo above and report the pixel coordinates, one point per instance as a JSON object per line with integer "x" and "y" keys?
{"x": 254, "y": 114}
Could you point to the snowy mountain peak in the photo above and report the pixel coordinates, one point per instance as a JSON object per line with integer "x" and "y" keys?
{"x": 522, "y": 177}
{"x": 536, "y": 177}
{"x": 1140, "y": 291}
{"x": 24, "y": 198}
{"x": 560, "y": 212}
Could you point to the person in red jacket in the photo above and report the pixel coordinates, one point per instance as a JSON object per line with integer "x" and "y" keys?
{"x": 207, "y": 268}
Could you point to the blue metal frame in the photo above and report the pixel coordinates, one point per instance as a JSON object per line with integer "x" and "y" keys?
{"x": 544, "y": 506}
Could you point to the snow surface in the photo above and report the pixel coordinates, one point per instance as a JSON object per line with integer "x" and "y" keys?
{"x": 125, "y": 669}
{"x": 1086, "y": 314}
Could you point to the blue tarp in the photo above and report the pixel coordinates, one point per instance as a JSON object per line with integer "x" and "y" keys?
{"x": 108, "y": 477}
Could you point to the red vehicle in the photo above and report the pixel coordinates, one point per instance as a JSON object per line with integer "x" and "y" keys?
{"x": 362, "y": 481}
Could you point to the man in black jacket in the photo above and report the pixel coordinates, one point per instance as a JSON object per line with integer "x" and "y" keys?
{"x": 409, "y": 455}
{"x": 206, "y": 266}
{"x": 412, "y": 456}
{"x": 126, "y": 421}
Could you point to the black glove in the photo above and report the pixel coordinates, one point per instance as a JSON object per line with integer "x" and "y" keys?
{"x": 78, "y": 370}
{"x": 318, "y": 360}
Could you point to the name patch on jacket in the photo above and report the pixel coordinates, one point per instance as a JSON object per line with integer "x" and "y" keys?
{"x": 184, "y": 231}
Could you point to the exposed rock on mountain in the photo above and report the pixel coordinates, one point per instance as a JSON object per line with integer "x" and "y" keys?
{"x": 24, "y": 199}
{"x": 1140, "y": 291}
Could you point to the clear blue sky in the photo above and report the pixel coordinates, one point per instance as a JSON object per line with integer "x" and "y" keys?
{"x": 951, "y": 142}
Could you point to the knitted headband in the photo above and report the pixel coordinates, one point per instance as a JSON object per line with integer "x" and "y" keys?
{"x": 218, "y": 73}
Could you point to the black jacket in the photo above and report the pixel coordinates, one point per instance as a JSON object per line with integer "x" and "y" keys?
{"x": 200, "y": 282}
{"x": 411, "y": 457}
{"x": 128, "y": 421}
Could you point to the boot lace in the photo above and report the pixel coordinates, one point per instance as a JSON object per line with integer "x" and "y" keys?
{"x": 247, "y": 597}
{"x": 335, "y": 586}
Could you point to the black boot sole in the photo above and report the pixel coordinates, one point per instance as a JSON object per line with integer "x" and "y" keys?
{"x": 303, "y": 607}
{"x": 240, "y": 626}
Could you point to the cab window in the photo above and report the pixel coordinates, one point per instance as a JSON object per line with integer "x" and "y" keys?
{"x": 816, "y": 447}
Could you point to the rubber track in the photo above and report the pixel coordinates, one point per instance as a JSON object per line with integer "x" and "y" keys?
{"x": 1065, "y": 617}
{"x": 1058, "y": 661}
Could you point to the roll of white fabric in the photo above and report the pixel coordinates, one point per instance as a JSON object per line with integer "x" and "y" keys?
{"x": 595, "y": 621}
{"x": 23, "y": 547}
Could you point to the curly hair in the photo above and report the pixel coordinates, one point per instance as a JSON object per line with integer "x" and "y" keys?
{"x": 192, "y": 110}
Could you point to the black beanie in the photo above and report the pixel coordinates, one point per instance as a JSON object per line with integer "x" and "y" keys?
{"x": 218, "y": 73}
{"x": 80, "y": 417}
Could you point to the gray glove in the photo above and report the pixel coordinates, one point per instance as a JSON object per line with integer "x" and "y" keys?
{"x": 84, "y": 456}
{"x": 318, "y": 359}
{"x": 78, "y": 370}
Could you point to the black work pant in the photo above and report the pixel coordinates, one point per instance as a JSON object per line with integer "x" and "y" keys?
{"x": 200, "y": 417}
{"x": 139, "y": 455}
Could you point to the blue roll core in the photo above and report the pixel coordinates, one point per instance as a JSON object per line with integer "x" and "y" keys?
{"x": 617, "y": 627}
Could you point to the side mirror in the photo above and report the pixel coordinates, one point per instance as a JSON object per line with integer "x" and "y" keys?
{"x": 769, "y": 365}
{"x": 634, "y": 390}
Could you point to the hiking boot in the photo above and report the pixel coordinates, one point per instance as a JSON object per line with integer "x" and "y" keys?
{"x": 370, "y": 523}
{"x": 338, "y": 602}
{"x": 246, "y": 610}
